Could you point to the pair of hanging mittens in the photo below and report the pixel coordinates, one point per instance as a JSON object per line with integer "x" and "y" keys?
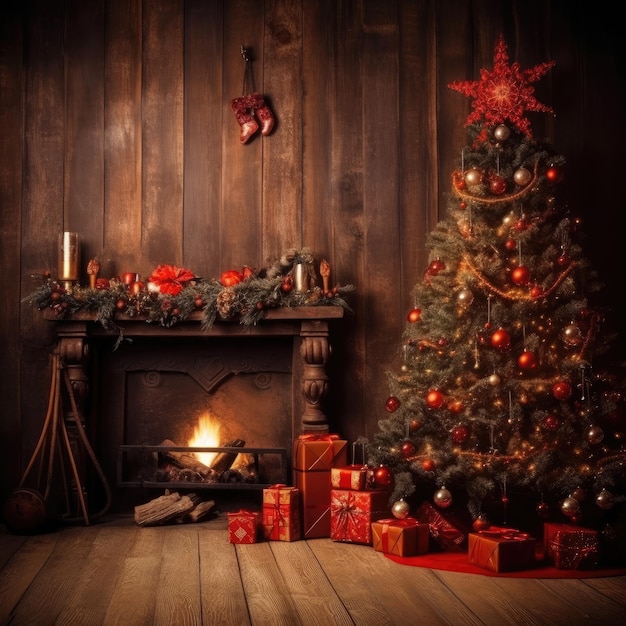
{"x": 251, "y": 110}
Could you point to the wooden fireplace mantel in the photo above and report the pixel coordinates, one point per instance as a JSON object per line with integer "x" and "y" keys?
{"x": 309, "y": 326}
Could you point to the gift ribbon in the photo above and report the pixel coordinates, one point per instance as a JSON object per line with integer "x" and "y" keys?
{"x": 278, "y": 518}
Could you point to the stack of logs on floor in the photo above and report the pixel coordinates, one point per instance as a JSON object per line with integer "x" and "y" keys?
{"x": 172, "y": 507}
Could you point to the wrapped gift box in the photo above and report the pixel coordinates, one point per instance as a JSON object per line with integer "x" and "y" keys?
{"x": 447, "y": 530}
{"x": 313, "y": 458}
{"x": 352, "y": 514}
{"x": 350, "y": 477}
{"x": 501, "y": 550}
{"x": 402, "y": 537}
{"x": 281, "y": 513}
{"x": 568, "y": 546}
{"x": 243, "y": 526}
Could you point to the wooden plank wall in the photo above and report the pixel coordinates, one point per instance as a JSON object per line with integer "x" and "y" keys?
{"x": 116, "y": 122}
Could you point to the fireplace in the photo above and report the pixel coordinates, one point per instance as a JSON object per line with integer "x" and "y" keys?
{"x": 263, "y": 385}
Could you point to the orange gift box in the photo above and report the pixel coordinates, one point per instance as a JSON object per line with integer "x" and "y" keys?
{"x": 243, "y": 526}
{"x": 313, "y": 459}
{"x": 352, "y": 514}
{"x": 568, "y": 546}
{"x": 501, "y": 550}
{"x": 402, "y": 537}
{"x": 281, "y": 513}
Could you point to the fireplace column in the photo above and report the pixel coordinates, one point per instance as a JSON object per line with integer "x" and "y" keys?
{"x": 314, "y": 351}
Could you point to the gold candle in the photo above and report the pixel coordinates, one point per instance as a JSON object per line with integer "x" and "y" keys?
{"x": 69, "y": 257}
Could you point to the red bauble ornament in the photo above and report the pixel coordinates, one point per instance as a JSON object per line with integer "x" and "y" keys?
{"x": 383, "y": 476}
{"x": 520, "y": 275}
{"x": 510, "y": 244}
{"x": 480, "y": 523}
{"x": 550, "y": 422}
{"x": 434, "y": 398}
{"x": 563, "y": 260}
{"x": 414, "y": 425}
{"x": 562, "y": 390}
{"x": 497, "y": 185}
{"x": 554, "y": 174}
{"x": 198, "y": 302}
{"x": 408, "y": 449}
{"x": 455, "y": 406}
{"x": 500, "y": 339}
{"x": 414, "y": 315}
{"x": 287, "y": 284}
{"x": 543, "y": 510}
{"x": 527, "y": 360}
{"x": 459, "y": 434}
{"x": 392, "y": 404}
{"x": 428, "y": 465}
{"x": 536, "y": 291}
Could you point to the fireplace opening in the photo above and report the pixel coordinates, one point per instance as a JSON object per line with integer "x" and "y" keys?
{"x": 154, "y": 398}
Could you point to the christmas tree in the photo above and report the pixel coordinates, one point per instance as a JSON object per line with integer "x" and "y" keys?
{"x": 506, "y": 390}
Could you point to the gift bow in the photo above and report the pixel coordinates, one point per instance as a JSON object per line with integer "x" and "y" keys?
{"x": 504, "y": 533}
{"x": 318, "y": 437}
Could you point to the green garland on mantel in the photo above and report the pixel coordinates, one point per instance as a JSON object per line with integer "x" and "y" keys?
{"x": 248, "y": 300}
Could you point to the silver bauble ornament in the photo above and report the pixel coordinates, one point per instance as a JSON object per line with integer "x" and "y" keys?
{"x": 400, "y": 509}
{"x": 464, "y": 297}
{"x": 595, "y": 434}
{"x": 502, "y": 132}
{"x": 572, "y": 335}
{"x": 605, "y": 500}
{"x": 570, "y": 507}
{"x": 494, "y": 380}
{"x": 473, "y": 176}
{"x": 442, "y": 498}
{"x": 522, "y": 176}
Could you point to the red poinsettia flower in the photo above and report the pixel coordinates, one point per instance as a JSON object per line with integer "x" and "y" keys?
{"x": 171, "y": 279}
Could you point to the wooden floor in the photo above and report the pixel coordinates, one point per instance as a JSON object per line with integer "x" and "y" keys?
{"x": 115, "y": 572}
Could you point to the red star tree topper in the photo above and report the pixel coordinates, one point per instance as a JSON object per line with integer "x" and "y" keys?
{"x": 505, "y": 92}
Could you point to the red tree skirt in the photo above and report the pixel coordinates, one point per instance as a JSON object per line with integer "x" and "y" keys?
{"x": 457, "y": 562}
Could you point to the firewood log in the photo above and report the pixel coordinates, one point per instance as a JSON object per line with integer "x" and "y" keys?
{"x": 183, "y": 459}
{"x": 163, "y": 509}
{"x": 224, "y": 460}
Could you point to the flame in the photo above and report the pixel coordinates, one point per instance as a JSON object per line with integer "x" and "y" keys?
{"x": 206, "y": 435}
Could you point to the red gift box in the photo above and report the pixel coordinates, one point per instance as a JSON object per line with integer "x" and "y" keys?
{"x": 568, "y": 546}
{"x": 350, "y": 477}
{"x": 281, "y": 513}
{"x": 313, "y": 458}
{"x": 243, "y": 526}
{"x": 402, "y": 537}
{"x": 352, "y": 514}
{"x": 501, "y": 550}
{"x": 447, "y": 530}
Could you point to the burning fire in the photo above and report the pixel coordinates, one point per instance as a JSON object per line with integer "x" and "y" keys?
{"x": 206, "y": 435}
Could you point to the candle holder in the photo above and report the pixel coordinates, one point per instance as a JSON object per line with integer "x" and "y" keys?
{"x": 69, "y": 259}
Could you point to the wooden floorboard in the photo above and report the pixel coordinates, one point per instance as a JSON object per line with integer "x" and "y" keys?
{"x": 115, "y": 572}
